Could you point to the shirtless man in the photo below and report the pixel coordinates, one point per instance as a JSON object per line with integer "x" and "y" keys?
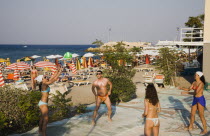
{"x": 102, "y": 94}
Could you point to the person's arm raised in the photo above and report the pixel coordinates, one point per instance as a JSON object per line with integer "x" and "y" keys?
{"x": 146, "y": 106}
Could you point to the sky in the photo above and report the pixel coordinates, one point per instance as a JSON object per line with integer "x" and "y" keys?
{"x": 84, "y": 21}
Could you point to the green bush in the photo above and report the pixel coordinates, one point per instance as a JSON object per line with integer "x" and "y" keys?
{"x": 81, "y": 108}
{"x": 19, "y": 110}
{"x": 123, "y": 89}
{"x": 61, "y": 106}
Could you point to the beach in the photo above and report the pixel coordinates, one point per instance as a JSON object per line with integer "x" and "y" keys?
{"x": 126, "y": 116}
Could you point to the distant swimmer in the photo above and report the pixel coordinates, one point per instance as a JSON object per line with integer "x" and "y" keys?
{"x": 101, "y": 94}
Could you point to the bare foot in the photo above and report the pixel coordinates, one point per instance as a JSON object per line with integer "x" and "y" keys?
{"x": 93, "y": 122}
{"x": 188, "y": 128}
{"x": 203, "y": 132}
{"x": 110, "y": 120}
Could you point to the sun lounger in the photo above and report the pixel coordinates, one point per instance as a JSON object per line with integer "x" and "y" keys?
{"x": 58, "y": 87}
{"x": 78, "y": 83}
{"x": 21, "y": 86}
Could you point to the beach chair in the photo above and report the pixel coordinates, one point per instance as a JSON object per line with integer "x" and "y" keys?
{"x": 21, "y": 86}
{"x": 80, "y": 82}
{"x": 159, "y": 79}
{"x": 58, "y": 86}
{"x": 206, "y": 87}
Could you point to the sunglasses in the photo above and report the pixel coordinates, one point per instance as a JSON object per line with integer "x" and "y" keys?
{"x": 98, "y": 73}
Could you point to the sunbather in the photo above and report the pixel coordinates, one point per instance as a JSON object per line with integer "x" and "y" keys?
{"x": 101, "y": 94}
{"x": 34, "y": 74}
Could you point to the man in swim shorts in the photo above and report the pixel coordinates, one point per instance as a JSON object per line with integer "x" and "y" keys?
{"x": 101, "y": 94}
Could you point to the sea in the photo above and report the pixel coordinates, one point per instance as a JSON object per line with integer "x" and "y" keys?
{"x": 15, "y": 52}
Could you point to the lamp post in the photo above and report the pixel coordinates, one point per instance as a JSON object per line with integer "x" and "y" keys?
{"x": 109, "y": 34}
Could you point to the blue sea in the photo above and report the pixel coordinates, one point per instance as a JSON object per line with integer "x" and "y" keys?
{"x": 15, "y": 52}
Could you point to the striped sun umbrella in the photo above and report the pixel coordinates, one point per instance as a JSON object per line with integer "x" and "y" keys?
{"x": 73, "y": 68}
{"x": 16, "y": 75}
{"x": 18, "y": 66}
{"x": 1, "y": 80}
{"x": 46, "y": 64}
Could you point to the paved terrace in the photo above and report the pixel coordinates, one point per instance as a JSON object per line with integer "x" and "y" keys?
{"x": 127, "y": 120}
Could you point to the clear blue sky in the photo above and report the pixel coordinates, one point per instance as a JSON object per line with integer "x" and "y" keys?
{"x": 83, "y": 21}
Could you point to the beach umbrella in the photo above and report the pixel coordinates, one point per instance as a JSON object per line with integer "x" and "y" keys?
{"x": 88, "y": 54}
{"x": 16, "y": 75}
{"x": 18, "y": 66}
{"x": 74, "y": 55}
{"x": 78, "y": 66}
{"x": 67, "y": 55}
{"x": 51, "y": 57}
{"x": 45, "y": 64}
{"x": 73, "y": 68}
{"x": 84, "y": 62}
{"x": 1, "y": 80}
{"x": 35, "y": 56}
{"x": 8, "y": 62}
{"x": 58, "y": 56}
{"x": 2, "y": 60}
{"x": 27, "y": 59}
{"x": 90, "y": 62}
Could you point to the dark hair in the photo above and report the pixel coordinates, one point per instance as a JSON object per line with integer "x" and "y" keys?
{"x": 202, "y": 78}
{"x": 100, "y": 71}
{"x": 151, "y": 94}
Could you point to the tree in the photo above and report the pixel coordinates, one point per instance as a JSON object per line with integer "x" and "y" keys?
{"x": 195, "y": 22}
{"x": 168, "y": 65}
{"x": 119, "y": 74}
{"x": 98, "y": 42}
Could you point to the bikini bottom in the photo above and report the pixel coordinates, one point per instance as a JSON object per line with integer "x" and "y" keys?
{"x": 200, "y": 100}
{"x": 154, "y": 120}
{"x": 42, "y": 103}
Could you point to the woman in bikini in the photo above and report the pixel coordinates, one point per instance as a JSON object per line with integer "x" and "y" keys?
{"x": 152, "y": 107}
{"x": 199, "y": 102}
{"x": 43, "y": 103}
{"x": 34, "y": 74}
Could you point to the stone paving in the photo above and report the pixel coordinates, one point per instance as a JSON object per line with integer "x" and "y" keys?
{"x": 127, "y": 120}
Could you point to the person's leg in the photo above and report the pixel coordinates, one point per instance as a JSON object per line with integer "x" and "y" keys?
{"x": 40, "y": 124}
{"x": 192, "y": 116}
{"x": 203, "y": 120}
{"x": 148, "y": 127}
{"x": 156, "y": 129}
{"x": 109, "y": 107}
{"x": 98, "y": 103}
{"x": 44, "y": 111}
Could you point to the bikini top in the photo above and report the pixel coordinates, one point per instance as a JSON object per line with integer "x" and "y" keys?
{"x": 33, "y": 71}
{"x": 195, "y": 87}
{"x": 46, "y": 91}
